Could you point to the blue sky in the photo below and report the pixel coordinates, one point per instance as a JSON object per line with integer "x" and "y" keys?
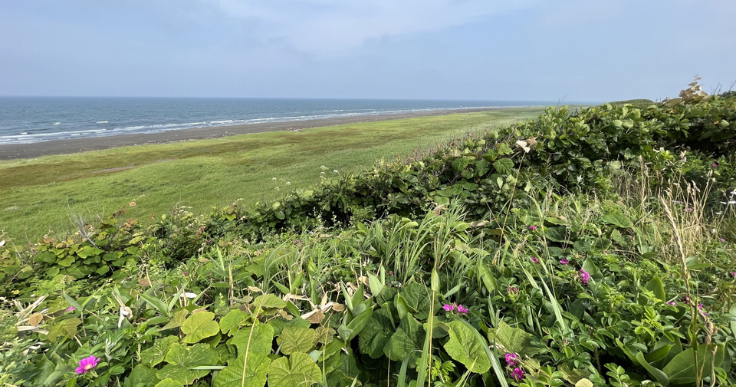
{"x": 576, "y": 50}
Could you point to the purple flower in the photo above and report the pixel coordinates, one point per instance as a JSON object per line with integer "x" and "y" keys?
{"x": 564, "y": 261}
{"x": 672, "y": 303}
{"x": 511, "y": 359}
{"x": 535, "y": 260}
{"x": 584, "y": 276}
{"x": 87, "y": 364}
{"x": 70, "y": 309}
{"x": 689, "y": 209}
{"x": 517, "y": 374}
{"x": 733, "y": 273}
{"x": 700, "y": 308}
{"x": 532, "y": 228}
{"x": 512, "y": 290}
{"x": 462, "y": 310}
{"x": 721, "y": 239}
{"x": 448, "y": 307}
{"x": 715, "y": 165}
{"x": 185, "y": 272}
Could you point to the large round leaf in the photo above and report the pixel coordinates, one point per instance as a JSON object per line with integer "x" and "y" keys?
{"x": 466, "y": 348}
{"x": 199, "y": 326}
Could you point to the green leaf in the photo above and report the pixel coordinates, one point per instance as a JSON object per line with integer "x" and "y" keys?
{"x": 245, "y": 371}
{"x": 407, "y": 341}
{"x": 64, "y": 328}
{"x": 297, "y": 370}
{"x": 376, "y": 334}
{"x": 141, "y": 376}
{"x": 158, "y": 351}
{"x": 618, "y": 220}
{"x": 504, "y": 166}
{"x": 191, "y": 356}
{"x": 512, "y": 340}
{"x": 199, "y": 326}
{"x": 556, "y": 234}
{"x": 418, "y": 298}
{"x": 375, "y": 284}
{"x": 657, "y": 373}
{"x": 655, "y": 285}
{"x": 296, "y": 340}
{"x": 232, "y": 321}
{"x": 584, "y": 383}
{"x": 269, "y": 301}
{"x": 681, "y": 369}
{"x": 180, "y": 374}
{"x": 45, "y": 257}
{"x": 156, "y": 303}
{"x": 466, "y": 348}
{"x": 176, "y": 320}
{"x": 168, "y": 382}
{"x": 256, "y": 339}
{"x": 486, "y": 277}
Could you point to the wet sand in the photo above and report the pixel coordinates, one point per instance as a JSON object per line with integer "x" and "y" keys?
{"x": 58, "y": 147}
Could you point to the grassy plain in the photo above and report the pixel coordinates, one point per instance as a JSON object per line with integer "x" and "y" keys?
{"x": 38, "y": 195}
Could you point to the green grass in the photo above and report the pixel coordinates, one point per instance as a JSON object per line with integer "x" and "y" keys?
{"x": 38, "y": 195}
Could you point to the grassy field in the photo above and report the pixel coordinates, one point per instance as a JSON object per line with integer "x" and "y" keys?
{"x": 39, "y": 195}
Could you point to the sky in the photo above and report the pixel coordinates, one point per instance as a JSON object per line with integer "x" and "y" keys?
{"x": 525, "y": 50}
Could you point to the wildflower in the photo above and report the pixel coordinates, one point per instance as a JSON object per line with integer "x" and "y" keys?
{"x": 274, "y": 179}
{"x": 564, "y": 261}
{"x": 532, "y": 228}
{"x": 185, "y": 272}
{"x": 700, "y": 308}
{"x": 715, "y": 165}
{"x": 671, "y": 303}
{"x": 513, "y": 290}
{"x": 448, "y": 307}
{"x": 517, "y": 374}
{"x": 535, "y": 260}
{"x": 288, "y": 183}
{"x": 70, "y": 309}
{"x": 584, "y": 276}
{"x": 335, "y": 170}
{"x": 721, "y": 239}
{"x": 462, "y": 310}
{"x": 87, "y": 364}
{"x": 511, "y": 359}
{"x": 689, "y": 209}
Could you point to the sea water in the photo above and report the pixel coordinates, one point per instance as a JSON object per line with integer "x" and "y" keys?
{"x": 38, "y": 119}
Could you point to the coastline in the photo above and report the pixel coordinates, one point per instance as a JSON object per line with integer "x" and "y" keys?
{"x": 78, "y": 145}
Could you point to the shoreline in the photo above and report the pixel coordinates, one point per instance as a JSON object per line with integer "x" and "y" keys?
{"x": 79, "y": 145}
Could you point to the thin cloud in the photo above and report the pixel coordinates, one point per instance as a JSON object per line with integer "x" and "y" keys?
{"x": 333, "y": 25}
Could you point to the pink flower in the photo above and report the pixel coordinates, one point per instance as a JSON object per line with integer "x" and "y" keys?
{"x": 672, "y": 303}
{"x": 535, "y": 260}
{"x": 721, "y": 239}
{"x": 584, "y": 276}
{"x": 733, "y": 273}
{"x": 714, "y": 165}
{"x": 70, "y": 309}
{"x": 700, "y": 308}
{"x": 689, "y": 209}
{"x": 511, "y": 359}
{"x": 564, "y": 261}
{"x": 185, "y": 272}
{"x": 448, "y": 307}
{"x": 87, "y": 364}
{"x": 532, "y": 228}
{"x": 517, "y": 374}
{"x": 512, "y": 290}
{"x": 462, "y": 310}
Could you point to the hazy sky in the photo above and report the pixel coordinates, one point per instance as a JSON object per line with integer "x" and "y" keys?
{"x": 579, "y": 50}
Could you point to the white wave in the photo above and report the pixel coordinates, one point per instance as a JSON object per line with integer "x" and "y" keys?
{"x": 57, "y": 123}
{"x": 102, "y": 122}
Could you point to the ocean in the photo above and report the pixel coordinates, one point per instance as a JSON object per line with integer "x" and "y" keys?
{"x": 36, "y": 119}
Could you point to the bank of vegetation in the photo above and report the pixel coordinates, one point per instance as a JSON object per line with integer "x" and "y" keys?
{"x": 589, "y": 247}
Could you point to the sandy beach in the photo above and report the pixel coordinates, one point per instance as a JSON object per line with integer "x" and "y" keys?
{"x": 57, "y": 147}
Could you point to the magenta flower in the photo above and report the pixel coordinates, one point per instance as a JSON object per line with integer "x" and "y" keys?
{"x": 462, "y": 310}
{"x": 448, "y": 307}
{"x": 87, "y": 364}
{"x": 721, "y": 239}
{"x": 714, "y": 165}
{"x": 517, "y": 374}
{"x": 185, "y": 272}
{"x": 700, "y": 308}
{"x": 512, "y": 290}
{"x": 564, "y": 261}
{"x": 584, "y": 276}
{"x": 532, "y": 228}
{"x": 70, "y": 309}
{"x": 733, "y": 273}
{"x": 535, "y": 260}
{"x": 511, "y": 359}
{"x": 672, "y": 303}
